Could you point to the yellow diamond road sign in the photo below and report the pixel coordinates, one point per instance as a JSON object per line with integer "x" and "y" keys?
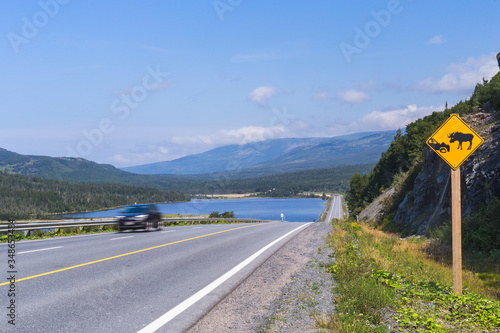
{"x": 454, "y": 141}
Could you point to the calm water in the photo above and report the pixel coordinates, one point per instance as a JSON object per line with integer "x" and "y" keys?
{"x": 295, "y": 210}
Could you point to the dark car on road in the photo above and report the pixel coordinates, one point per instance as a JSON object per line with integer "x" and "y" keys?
{"x": 143, "y": 216}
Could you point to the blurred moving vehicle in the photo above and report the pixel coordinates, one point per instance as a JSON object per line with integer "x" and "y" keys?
{"x": 142, "y": 216}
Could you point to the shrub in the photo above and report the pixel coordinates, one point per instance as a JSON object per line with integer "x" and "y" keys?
{"x": 225, "y": 215}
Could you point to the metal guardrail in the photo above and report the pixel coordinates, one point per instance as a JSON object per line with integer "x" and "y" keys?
{"x": 23, "y": 226}
{"x": 208, "y": 220}
{"x": 27, "y": 228}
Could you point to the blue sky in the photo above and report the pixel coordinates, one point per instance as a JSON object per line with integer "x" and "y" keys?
{"x": 135, "y": 82}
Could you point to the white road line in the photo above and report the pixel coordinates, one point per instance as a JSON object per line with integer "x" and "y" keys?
{"x": 167, "y": 231}
{"x": 121, "y": 237}
{"x": 197, "y": 228}
{"x": 49, "y": 248}
{"x": 164, "y": 319}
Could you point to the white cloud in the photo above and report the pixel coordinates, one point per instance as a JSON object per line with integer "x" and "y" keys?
{"x": 122, "y": 160}
{"x": 370, "y": 85}
{"x": 438, "y": 39}
{"x": 352, "y": 96}
{"x": 461, "y": 77}
{"x": 241, "y": 135}
{"x": 385, "y": 120}
{"x": 141, "y": 155}
{"x": 261, "y": 95}
{"x": 179, "y": 146}
{"x": 378, "y": 120}
{"x": 322, "y": 96}
{"x": 248, "y": 134}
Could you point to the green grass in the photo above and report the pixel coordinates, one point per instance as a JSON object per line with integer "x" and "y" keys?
{"x": 385, "y": 284}
{"x": 38, "y": 234}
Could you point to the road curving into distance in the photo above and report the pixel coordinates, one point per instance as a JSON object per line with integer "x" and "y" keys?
{"x": 159, "y": 281}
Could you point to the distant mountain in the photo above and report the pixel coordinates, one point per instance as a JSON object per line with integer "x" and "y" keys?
{"x": 248, "y": 180}
{"x": 202, "y": 173}
{"x": 278, "y": 156}
{"x": 60, "y": 168}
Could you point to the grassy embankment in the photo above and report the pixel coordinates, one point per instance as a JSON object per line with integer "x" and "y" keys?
{"x": 388, "y": 284}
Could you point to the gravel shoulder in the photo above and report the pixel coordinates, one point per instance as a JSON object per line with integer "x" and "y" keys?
{"x": 287, "y": 293}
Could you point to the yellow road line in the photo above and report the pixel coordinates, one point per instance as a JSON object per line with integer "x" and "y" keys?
{"x": 125, "y": 254}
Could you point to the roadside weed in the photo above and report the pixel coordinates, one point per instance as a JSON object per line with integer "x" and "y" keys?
{"x": 386, "y": 284}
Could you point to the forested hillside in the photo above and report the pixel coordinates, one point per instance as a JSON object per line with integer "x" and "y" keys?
{"x": 402, "y": 163}
{"x": 286, "y": 184}
{"x": 62, "y": 168}
{"x": 23, "y": 197}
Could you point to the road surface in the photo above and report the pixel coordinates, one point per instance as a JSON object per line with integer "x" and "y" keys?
{"x": 335, "y": 211}
{"x": 161, "y": 281}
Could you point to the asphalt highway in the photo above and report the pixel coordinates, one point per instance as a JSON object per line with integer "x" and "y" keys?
{"x": 335, "y": 211}
{"x": 158, "y": 281}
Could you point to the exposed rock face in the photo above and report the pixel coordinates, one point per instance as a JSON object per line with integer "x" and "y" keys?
{"x": 429, "y": 203}
{"x": 373, "y": 211}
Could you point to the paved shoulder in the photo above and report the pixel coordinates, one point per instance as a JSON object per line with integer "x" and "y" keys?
{"x": 261, "y": 295}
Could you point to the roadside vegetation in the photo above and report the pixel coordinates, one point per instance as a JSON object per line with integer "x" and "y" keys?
{"x": 398, "y": 169}
{"x": 323, "y": 215}
{"x": 480, "y": 244}
{"x": 388, "y": 284}
{"x": 39, "y": 234}
{"x": 225, "y": 215}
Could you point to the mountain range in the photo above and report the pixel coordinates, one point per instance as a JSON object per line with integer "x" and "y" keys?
{"x": 242, "y": 167}
{"x": 276, "y": 156}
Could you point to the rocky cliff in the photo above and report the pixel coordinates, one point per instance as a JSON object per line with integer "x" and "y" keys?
{"x": 429, "y": 203}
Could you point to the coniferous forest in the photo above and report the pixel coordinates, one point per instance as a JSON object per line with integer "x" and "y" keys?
{"x": 23, "y": 197}
{"x": 27, "y": 197}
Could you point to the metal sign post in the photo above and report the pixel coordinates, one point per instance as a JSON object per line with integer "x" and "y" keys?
{"x": 454, "y": 142}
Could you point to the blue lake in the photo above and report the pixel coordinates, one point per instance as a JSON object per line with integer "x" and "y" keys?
{"x": 294, "y": 210}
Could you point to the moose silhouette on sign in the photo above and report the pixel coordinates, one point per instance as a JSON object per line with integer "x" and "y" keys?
{"x": 461, "y": 137}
